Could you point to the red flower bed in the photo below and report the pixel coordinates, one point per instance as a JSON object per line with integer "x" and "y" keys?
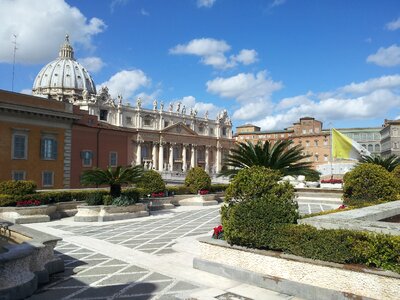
{"x": 342, "y": 206}
{"x": 28, "y": 203}
{"x": 203, "y": 192}
{"x": 332, "y": 181}
{"x": 218, "y": 232}
{"x": 155, "y": 195}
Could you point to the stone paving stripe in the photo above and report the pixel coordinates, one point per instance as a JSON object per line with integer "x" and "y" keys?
{"x": 146, "y": 288}
{"x": 183, "y": 286}
{"x": 52, "y": 294}
{"x": 133, "y": 268}
{"x": 103, "y": 291}
{"x": 101, "y": 270}
{"x": 157, "y": 276}
{"x": 121, "y": 279}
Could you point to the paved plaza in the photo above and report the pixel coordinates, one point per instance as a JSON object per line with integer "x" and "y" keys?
{"x": 144, "y": 258}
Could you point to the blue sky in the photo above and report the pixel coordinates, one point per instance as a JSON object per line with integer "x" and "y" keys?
{"x": 267, "y": 62}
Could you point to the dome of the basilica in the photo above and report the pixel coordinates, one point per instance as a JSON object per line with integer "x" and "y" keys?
{"x": 64, "y": 78}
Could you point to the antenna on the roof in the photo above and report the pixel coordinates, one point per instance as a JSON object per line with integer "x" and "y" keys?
{"x": 13, "y": 70}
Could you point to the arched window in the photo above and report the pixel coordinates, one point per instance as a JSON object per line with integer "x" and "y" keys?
{"x": 377, "y": 148}
{"x": 370, "y": 148}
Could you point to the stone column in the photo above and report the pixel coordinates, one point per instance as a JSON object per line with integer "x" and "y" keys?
{"x": 192, "y": 156}
{"x": 171, "y": 157}
{"x": 139, "y": 153}
{"x": 184, "y": 165}
{"x": 154, "y": 155}
{"x": 219, "y": 159}
{"x": 161, "y": 157}
{"x": 207, "y": 159}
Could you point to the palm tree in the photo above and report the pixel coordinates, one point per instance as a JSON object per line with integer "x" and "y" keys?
{"x": 389, "y": 163}
{"x": 113, "y": 177}
{"x": 280, "y": 156}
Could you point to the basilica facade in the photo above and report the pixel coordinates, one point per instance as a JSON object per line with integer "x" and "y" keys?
{"x": 171, "y": 138}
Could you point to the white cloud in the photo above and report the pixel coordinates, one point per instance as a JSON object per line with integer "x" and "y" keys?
{"x": 246, "y": 56}
{"x": 277, "y": 3}
{"x": 244, "y": 86}
{"x": 384, "y": 82}
{"x": 147, "y": 99}
{"x": 212, "y": 52}
{"x": 371, "y": 99}
{"x": 251, "y": 110}
{"x": 40, "y": 27}
{"x": 26, "y": 91}
{"x": 144, "y": 12}
{"x": 386, "y": 57}
{"x": 201, "y": 107}
{"x": 126, "y": 83}
{"x": 205, "y": 3}
{"x": 394, "y": 25}
{"x": 92, "y": 64}
{"x": 115, "y": 3}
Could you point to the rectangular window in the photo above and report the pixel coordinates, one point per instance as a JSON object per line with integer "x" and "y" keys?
{"x": 166, "y": 123}
{"x": 316, "y": 143}
{"x": 304, "y": 131}
{"x": 87, "y": 157}
{"x": 211, "y": 131}
{"x": 129, "y": 120}
{"x": 48, "y": 148}
{"x": 48, "y": 178}
{"x": 103, "y": 114}
{"x": 18, "y": 175}
{"x": 113, "y": 159}
{"x": 20, "y": 144}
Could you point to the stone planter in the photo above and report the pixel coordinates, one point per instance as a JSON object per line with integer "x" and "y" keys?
{"x": 158, "y": 203}
{"x": 103, "y": 213}
{"x": 331, "y": 185}
{"x": 312, "y": 184}
{"x": 199, "y": 200}
{"x": 26, "y": 261}
{"x": 41, "y": 213}
{"x": 293, "y": 275}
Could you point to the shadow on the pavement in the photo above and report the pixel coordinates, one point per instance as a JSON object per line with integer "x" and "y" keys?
{"x": 65, "y": 284}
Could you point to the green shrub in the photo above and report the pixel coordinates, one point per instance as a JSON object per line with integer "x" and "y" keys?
{"x": 123, "y": 201}
{"x": 17, "y": 187}
{"x": 197, "y": 179}
{"x": 253, "y": 182}
{"x": 312, "y": 177}
{"x": 151, "y": 182}
{"x": 263, "y": 212}
{"x": 369, "y": 182}
{"x": 107, "y": 200}
{"x": 178, "y": 190}
{"x": 396, "y": 172}
{"x": 7, "y": 200}
{"x": 218, "y": 187}
{"x": 132, "y": 194}
{"x": 94, "y": 198}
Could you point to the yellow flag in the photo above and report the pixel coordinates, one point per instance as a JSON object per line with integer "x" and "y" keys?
{"x": 346, "y": 148}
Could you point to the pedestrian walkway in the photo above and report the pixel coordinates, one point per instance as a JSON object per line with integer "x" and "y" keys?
{"x": 144, "y": 258}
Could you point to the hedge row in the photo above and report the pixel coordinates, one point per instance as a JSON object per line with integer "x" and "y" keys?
{"x": 333, "y": 245}
{"x": 91, "y": 196}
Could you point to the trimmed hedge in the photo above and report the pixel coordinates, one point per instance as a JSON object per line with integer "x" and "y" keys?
{"x": 197, "y": 179}
{"x": 151, "y": 182}
{"x": 17, "y": 187}
{"x": 369, "y": 182}
{"x": 218, "y": 187}
{"x": 396, "y": 172}
{"x": 254, "y": 182}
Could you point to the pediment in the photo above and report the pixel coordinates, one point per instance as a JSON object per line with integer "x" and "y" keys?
{"x": 179, "y": 128}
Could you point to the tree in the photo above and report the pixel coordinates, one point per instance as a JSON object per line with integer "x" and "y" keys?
{"x": 389, "y": 163}
{"x": 282, "y": 156}
{"x": 115, "y": 178}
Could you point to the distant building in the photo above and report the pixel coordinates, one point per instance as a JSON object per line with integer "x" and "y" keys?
{"x": 35, "y": 140}
{"x": 390, "y": 133}
{"x": 169, "y": 138}
{"x": 369, "y": 137}
{"x": 307, "y": 132}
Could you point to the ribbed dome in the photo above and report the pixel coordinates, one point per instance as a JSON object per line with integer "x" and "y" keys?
{"x": 64, "y": 78}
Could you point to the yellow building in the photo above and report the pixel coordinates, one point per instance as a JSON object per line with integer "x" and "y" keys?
{"x": 35, "y": 140}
